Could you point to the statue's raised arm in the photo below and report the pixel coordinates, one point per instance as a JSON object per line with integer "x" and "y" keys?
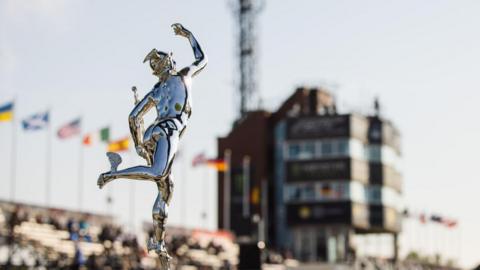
{"x": 200, "y": 57}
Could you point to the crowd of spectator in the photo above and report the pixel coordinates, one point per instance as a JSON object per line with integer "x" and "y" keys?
{"x": 23, "y": 252}
{"x": 121, "y": 250}
{"x": 179, "y": 245}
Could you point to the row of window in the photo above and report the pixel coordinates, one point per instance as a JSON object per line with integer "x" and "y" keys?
{"x": 342, "y": 191}
{"x": 317, "y": 149}
{"x": 313, "y": 149}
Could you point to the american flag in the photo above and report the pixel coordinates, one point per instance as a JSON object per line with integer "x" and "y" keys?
{"x": 70, "y": 129}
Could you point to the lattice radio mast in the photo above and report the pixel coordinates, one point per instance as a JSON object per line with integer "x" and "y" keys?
{"x": 246, "y": 12}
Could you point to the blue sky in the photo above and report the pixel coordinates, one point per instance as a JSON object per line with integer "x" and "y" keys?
{"x": 81, "y": 58}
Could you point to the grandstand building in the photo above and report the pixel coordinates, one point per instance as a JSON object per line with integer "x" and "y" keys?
{"x": 306, "y": 178}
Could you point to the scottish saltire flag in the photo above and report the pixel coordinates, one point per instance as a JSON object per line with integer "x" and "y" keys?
{"x": 6, "y": 112}
{"x": 36, "y": 121}
{"x": 70, "y": 129}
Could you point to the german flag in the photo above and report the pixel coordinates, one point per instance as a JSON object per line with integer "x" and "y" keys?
{"x": 219, "y": 164}
{"x": 6, "y": 112}
{"x": 119, "y": 145}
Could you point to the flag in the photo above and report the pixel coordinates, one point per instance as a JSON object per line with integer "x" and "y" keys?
{"x": 255, "y": 196}
{"x": 119, "y": 145}
{"x": 436, "y": 218}
{"x": 450, "y": 223}
{"x": 219, "y": 164}
{"x": 70, "y": 129}
{"x": 199, "y": 159}
{"x": 36, "y": 121}
{"x": 422, "y": 218}
{"x": 87, "y": 139}
{"x": 6, "y": 112}
{"x": 103, "y": 136}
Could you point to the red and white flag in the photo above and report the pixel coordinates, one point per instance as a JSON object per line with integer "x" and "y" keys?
{"x": 450, "y": 223}
{"x": 70, "y": 129}
{"x": 199, "y": 159}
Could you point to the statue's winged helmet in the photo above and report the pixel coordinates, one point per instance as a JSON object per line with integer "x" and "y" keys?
{"x": 160, "y": 61}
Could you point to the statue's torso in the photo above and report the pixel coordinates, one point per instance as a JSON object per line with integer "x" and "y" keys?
{"x": 172, "y": 99}
{"x": 173, "y": 104}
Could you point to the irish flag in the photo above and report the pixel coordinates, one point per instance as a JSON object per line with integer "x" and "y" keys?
{"x": 100, "y": 136}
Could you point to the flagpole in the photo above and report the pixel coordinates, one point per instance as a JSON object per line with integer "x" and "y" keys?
{"x": 246, "y": 187}
{"x": 263, "y": 235}
{"x": 48, "y": 161}
{"x": 183, "y": 195}
{"x": 110, "y": 191}
{"x": 80, "y": 175}
{"x": 13, "y": 154}
{"x": 184, "y": 177}
{"x": 460, "y": 239}
{"x": 110, "y": 200}
{"x": 132, "y": 194}
{"x": 206, "y": 194}
{"x": 227, "y": 190}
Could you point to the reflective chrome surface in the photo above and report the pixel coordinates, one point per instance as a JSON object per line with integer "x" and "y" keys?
{"x": 172, "y": 100}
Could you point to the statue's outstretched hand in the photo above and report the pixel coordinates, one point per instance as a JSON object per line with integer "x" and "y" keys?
{"x": 180, "y": 30}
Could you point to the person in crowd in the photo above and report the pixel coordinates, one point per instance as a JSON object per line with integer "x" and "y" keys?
{"x": 78, "y": 259}
{"x": 15, "y": 219}
{"x": 53, "y": 219}
{"x": 72, "y": 228}
{"x": 83, "y": 227}
{"x": 93, "y": 263}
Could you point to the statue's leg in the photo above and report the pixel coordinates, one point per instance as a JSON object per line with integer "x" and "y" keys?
{"x": 160, "y": 208}
{"x": 160, "y": 215}
{"x": 165, "y": 149}
{"x": 165, "y": 190}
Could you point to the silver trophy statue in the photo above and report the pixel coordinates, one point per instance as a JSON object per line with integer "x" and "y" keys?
{"x": 172, "y": 99}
